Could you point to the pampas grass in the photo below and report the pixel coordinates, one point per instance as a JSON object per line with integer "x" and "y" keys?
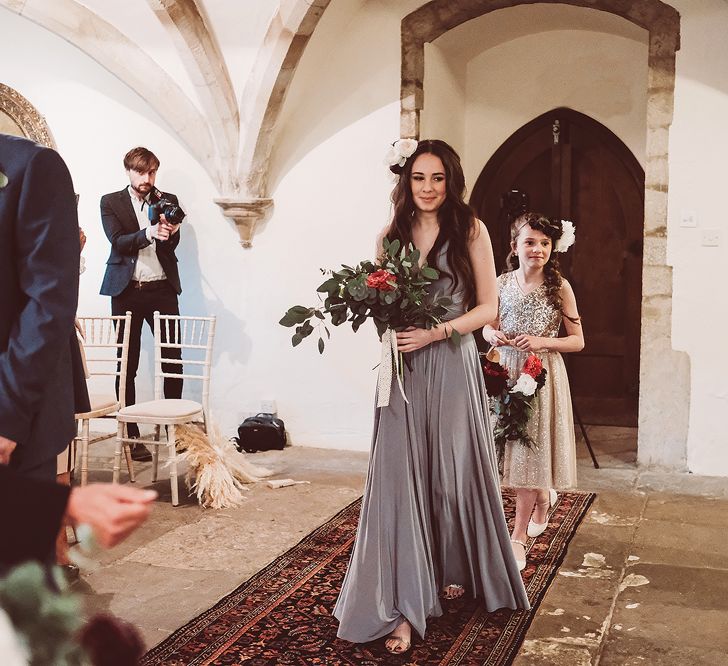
{"x": 216, "y": 470}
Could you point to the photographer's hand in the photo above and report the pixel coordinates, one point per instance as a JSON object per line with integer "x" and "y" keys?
{"x": 159, "y": 231}
{"x": 172, "y": 228}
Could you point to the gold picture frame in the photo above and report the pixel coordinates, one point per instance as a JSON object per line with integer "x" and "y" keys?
{"x": 20, "y": 118}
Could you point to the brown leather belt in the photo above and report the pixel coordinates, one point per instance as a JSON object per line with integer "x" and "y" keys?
{"x": 149, "y": 284}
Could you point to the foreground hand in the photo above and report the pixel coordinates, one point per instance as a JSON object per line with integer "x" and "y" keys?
{"x": 112, "y": 511}
{"x": 413, "y": 338}
{"x": 526, "y": 343}
{"x": 7, "y": 446}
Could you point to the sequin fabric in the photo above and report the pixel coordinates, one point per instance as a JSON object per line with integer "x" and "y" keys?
{"x": 552, "y": 462}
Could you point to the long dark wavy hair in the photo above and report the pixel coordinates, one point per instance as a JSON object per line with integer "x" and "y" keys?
{"x": 456, "y": 218}
{"x": 551, "y": 271}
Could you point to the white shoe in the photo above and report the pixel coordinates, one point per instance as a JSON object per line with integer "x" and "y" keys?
{"x": 521, "y": 564}
{"x": 537, "y": 529}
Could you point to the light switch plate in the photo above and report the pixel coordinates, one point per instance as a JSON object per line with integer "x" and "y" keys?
{"x": 268, "y": 406}
{"x": 688, "y": 218}
{"x": 711, "y": 237}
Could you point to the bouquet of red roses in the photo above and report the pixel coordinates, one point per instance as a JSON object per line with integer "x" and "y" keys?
{"x": 512, "y": 406}
{"x": 392, "y": 292}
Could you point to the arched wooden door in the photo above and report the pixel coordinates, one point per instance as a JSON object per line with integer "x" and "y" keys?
{"x": 574, "y": 168}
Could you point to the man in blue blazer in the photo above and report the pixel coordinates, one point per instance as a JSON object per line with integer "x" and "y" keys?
{"x": 141, "y": 272}
{"x": 39, "y": 266}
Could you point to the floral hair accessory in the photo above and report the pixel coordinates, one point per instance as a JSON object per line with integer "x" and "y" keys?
{"x": 398, "y": 153}
{"x": 568, "y": 236}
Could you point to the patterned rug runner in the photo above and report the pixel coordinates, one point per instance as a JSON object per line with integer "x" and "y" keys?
{"x": 282, "y": 615}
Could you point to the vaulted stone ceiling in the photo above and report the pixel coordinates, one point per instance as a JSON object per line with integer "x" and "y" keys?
{"x": 216, "y": 71}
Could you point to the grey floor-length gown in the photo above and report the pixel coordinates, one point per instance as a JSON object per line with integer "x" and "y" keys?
{"x": 432, "y": 512}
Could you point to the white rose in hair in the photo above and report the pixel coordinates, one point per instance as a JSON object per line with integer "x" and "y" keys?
{"x": 568, "y": 236}
{"x": 399, "y": 151}
{"x": 392, "y": 157}
{"x": 406, "y": 147}
{"x": 525, "y": 384}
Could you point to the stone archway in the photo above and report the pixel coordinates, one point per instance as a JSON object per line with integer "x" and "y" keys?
{"x": 664, "y": 373}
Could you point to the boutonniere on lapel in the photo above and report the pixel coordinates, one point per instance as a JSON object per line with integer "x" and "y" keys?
{"x": 3, "y": 180}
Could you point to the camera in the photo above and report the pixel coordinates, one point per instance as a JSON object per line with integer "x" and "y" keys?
{"x": 161, "y": 206}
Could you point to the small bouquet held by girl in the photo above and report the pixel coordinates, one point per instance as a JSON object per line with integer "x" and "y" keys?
{"x": 392, "y": 292}
{"x": 512, "y": 405}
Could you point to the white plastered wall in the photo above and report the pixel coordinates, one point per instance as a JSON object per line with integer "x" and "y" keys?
{"x": 603, "y": 76}
{"x": 698, "y": 146}
{"x": 445, "y": 98}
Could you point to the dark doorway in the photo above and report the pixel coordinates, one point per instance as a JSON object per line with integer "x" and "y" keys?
{"x": 574, "y": 168}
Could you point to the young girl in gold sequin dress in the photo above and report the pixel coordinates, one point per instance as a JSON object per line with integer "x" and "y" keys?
{"x": 534, "y": 300}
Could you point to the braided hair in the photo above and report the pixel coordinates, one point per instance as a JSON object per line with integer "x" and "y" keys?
{"x": 552, "y": 271}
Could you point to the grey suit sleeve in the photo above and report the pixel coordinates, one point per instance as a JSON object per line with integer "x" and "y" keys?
{"x": 47, "y": 249}
{"x": 122, "y": 241}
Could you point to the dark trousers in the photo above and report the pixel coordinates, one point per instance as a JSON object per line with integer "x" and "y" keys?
{"x": 142, "y": 303}
{"x": 45, "y": 470}
{"x": 35, "y": 537}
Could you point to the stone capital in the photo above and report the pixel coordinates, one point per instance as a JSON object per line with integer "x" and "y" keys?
{"x": 246, "y": 213}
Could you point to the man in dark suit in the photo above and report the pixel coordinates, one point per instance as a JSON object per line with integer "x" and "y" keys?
{"x": 39, "y": 265}
{"x": 141, "y": 272}
{"x": 41, "y": 373}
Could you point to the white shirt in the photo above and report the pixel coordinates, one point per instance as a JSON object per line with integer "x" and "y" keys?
{"x": 147, "y": 267}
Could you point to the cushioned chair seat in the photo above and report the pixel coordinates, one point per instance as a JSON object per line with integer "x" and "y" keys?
{"x": 167, "y": 409}
{"x": 101, "y": 403}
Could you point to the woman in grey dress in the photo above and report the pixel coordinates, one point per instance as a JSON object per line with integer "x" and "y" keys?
{"x": 432, "y": 522}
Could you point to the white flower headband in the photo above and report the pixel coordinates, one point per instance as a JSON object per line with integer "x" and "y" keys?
{"x": 398, "y": 153}
{"x": 568, "y": 236}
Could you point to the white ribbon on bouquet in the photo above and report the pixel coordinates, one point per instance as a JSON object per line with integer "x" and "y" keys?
{"x": 388, "y": 364}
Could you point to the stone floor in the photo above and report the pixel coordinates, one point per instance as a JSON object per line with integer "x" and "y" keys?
{"x": 645, "y": 580}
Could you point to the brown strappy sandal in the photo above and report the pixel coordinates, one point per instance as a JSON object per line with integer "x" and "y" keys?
{"x": 399, "y": 645}
{"x": 453, "y": 591}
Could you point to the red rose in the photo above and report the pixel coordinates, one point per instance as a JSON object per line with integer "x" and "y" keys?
{"x": 495, "y": 376}
{"x": 533, "y": 366}
{"x": 382, "y": 280}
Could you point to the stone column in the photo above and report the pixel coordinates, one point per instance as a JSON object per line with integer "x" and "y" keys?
{"x": 664, "y": 405}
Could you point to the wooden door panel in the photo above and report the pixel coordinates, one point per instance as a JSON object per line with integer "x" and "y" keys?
{"x": 589, "y": 176}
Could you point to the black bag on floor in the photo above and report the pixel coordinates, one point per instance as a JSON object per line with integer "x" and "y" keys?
{"x": 261, "y": 432}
